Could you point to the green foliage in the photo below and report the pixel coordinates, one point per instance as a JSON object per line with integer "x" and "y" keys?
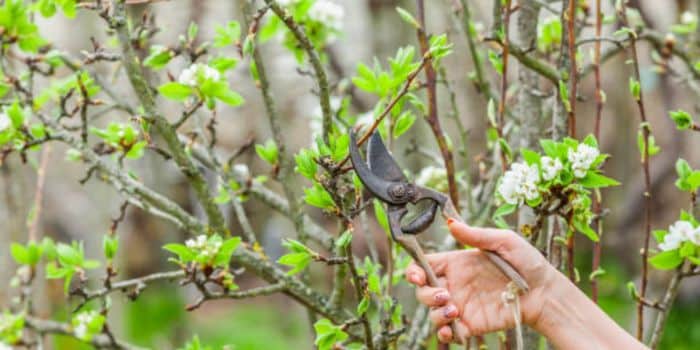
{"x": 110, "y": 245}
{"x": 268, "y": 152}
{"x": 688, "y": 179}
{"x": 29, "y": 254}
{"x": 682, "y": 119}
{"x": 158, "y": 58}
{"x": 68, "y": 261}
{"x": 204, "y": 82}
{"x": 16, "y": 22}
{"x": 306, "y": 163}
{"x": 317, "y": 196}
{"x": 227, "y": 35}
{"x": 328, "y": 334}
{"x": 299, "y": 257}
{"x": 549, "y": 33}
{"x": 203, "y": 251}
{"x": 667, "y": 260}
{"x": 11, "y": 328}
{"x": 635, "y": 88}
{"x": 47, "y": 8}
{"x": 408, "y": 17}
{"x": 122, "y": 137}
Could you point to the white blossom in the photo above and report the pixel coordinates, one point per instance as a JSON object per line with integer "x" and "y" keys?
{"x": 329, "y": 13}
{"x": 5, "y": 121}
{"x": 694, "y": 236}
{"x": 191, "y": 75}
{"x": 81, "y": 331}
{"x": 81, "y": 324}
{"x": 551, "y": 168}
{"x": 688, "y": 17}
{"x": 197, "y": 243}
{"x": 242, "y": 170}
{"x": 519, "y": 183}
{"x": 582, "y": 159}
{"x": 433, "y": 177}
{"x": 678, "y": 233}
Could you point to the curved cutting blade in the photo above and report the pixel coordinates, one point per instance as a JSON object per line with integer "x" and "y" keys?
{"x": 375, "y": 183}
{"x": 381, "y": 162}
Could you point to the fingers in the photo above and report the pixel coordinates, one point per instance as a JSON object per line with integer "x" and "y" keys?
{"x": 482, "y": 238}
{"x": 443, "y": 315}
{"x": 444, "y": 334}
{"x": 432, "y": 296}
{"x": 438, "y": 262}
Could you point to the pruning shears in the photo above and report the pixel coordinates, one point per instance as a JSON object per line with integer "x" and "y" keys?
{"x": 384, "y": 179}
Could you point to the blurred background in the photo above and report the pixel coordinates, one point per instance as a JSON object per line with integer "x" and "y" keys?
{"x": 71, "y": 211}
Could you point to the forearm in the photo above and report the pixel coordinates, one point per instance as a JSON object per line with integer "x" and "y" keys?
{"x": 572, "y": 321}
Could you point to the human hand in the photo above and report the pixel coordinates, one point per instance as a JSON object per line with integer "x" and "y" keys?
{"x": 472, "y": 286}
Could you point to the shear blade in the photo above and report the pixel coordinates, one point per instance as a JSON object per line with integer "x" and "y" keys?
{"x": 381, "y": 162}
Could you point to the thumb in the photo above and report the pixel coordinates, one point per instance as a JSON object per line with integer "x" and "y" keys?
{"x": 483, "y": 238}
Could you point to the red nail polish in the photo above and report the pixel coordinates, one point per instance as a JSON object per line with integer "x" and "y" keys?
{"x": 450, "y": 221}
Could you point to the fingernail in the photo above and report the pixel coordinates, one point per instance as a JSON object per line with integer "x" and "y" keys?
{"x": 413, "y": 278}
{"x": 442, "y": 297}
{"x": 450, "y": 221}
{"x": 450, "y": 311}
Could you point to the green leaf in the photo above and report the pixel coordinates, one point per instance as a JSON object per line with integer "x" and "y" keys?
{"x": 222, "y": 63}
{"x": 184, "y": 253}
{"x": 682, "y": 119}
{"x": 175, "y": 91}
{"x": 226, "y": 251}
{"x": 69, "y": 255}
{"x": 19, "y": 253}
{"x": 158, "y": 57}
{"x": 306, "y": 164}
{"x": 380, "y": 215}
{"x": 16, "y": 114}
{"x": 344, "y": 240}
{"x": 298, "y": 261}
{"x": 110, "y": 244}
{"x": 659, "y": 235}
{"x": 408, "y": 17}
{"x": 319, "y": 197}
{"x": 363, "y": 306}
{"x": 136, "y": 151}
{"x": 667, "y": 260}
{"x": 268, "y": 152}
{"x": 230, "y": 97}
{"x": 530, "y": 157}
{"x": 635, "y": 88}
{"x": 403, "y": 123}
{"x": 586, "y": 229}
{"x": 227, "y": 35}
{"x": 594, "y": 180}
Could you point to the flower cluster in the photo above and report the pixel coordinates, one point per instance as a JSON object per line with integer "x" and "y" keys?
{"x": 196, "y": 73}
{"x": 433, "y": 177}
{"x": 207, "y": 248}
{"x": 87, "y": 324}
{"x": 681, "y": 231}
{"x": 551, "y": 167}
{"x": 582, "y": 158}
{"x": 520, "y": 183}
{"x": 329, "y": 13}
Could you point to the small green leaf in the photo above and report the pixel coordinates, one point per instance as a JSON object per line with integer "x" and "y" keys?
{"x": 344, "y": 239}
{"x": 227, "y": 35}
{"x": 306, "y": 164}
{"x": 666, "y": 260}
{"x": 594, "y": 180}
{"x": 682, "y": 119}
{"x": 319, "y": 197}
{"x": 635, "y": 88}
{"x": 19, "y": 253}
{"x": 268, "y": 152}
{"x": 408, "y": 17}
{"x": 403, "y": 123}
{"x": 175, "y": 91}
{"x": 110, "y": 244}
{"x": 184, "y": 253}
{"x": 530, "y": 157}
{"x": 380, "y": 215}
